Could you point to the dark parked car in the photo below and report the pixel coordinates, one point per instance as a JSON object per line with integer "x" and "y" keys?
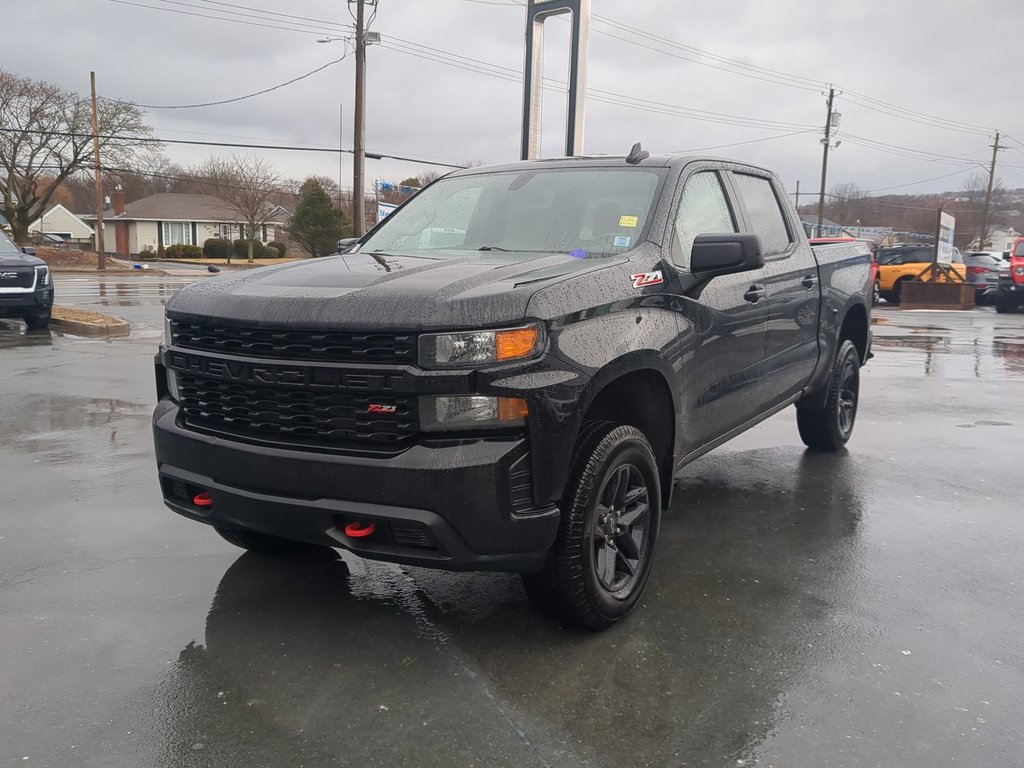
{"x": 510, "y": 370}
{"x": 26, "y": 288}
{"x": 983, "y": 272}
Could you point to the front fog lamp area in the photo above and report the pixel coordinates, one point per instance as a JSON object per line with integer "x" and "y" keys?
{"x": 444, "y": 350}
{"x": 471, "y": 412}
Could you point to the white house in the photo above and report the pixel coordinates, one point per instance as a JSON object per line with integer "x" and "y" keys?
{"x": 170, "y": 218}
{"x": 59, "y": 221}
{"x": 999, "y": 239}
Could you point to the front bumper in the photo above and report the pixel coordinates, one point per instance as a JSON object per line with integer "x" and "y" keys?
{"x": 19, "y": 304}
{"x": 454, "y": 504}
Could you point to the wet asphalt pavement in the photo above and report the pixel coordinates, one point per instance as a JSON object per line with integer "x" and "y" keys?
{"x": 861, "y": 609}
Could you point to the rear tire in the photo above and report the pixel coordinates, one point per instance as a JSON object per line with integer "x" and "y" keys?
{"x": 254, "y": 541}
{"x": 897, "y": 290}
{"x": 1003, "y": 304}
{"x": 598, "y": 568}
{"x": 829, "y": 428}
{"x": 38, "y": 322}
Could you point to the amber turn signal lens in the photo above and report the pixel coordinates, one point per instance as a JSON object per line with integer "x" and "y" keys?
{"x": 512, "y": 409}
{"x": 521, "y": 342}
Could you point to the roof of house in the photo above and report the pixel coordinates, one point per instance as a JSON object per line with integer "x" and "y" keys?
{"x": 173, "y": 206}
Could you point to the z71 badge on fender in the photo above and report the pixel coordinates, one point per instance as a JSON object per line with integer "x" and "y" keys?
{"x": 643, "y": 279}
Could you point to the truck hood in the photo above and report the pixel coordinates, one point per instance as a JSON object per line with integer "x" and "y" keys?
{"x": 20, "y": 260}
{"x": 385, "y": 291}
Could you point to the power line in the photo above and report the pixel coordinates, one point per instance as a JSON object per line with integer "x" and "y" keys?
{"x": 237, "y": 98}
{"x": 277, "y": 27}
{"x": 922, "y": 181}
{"x": 232, "y": 145}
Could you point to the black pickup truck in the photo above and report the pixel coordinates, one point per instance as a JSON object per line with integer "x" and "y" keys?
{"x": 509, "y": 371}
{"x": 26, "y": 288}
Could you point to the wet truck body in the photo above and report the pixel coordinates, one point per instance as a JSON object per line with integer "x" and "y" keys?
{"x": 510, "y": 370}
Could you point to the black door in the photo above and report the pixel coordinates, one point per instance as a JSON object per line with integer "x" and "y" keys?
{"x": 723, "y": 322}
{"x": 794, "y": 296}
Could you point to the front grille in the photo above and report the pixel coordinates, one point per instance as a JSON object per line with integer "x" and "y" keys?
{"x": 332, "y": 346}
{"x": 17, "y": 277}
{"x": 305, "y": 417}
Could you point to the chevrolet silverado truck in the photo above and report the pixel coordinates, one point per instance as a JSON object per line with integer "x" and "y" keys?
{"x": 519, "y": 394}
{"x": 26, "y": 287}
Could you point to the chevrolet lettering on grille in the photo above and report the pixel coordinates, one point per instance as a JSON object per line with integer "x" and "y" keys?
{"x": 280, "y": 375}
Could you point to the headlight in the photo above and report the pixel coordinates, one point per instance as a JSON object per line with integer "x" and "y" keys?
{"x": 42, "y": 276}
{"x": 167, "y": 332}
{"x": 1019, "y": 270}
{"x": 450, "y": 350}
{"x": 471, "y": 412}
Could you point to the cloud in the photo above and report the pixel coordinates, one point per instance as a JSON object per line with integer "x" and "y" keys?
{"x": 909, "y": 54}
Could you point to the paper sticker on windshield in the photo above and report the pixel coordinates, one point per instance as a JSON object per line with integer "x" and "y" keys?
{"x": 622, "y": 241}
{"x": 643, "y": 279}
{"x": 629, "y": 221}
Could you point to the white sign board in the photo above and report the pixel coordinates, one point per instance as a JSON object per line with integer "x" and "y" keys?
{"x": 944, "y": 248}
{"x": 384, "y": 210}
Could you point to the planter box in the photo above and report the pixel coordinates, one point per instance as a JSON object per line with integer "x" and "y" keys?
{"x": 937, "y": 295}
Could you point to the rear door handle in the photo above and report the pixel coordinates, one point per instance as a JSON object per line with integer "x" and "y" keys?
{"x": 755, "y": 293}
{"x": 809, "y": 281}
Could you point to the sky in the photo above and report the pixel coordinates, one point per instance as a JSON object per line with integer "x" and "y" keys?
{"x": 922, "y": 85}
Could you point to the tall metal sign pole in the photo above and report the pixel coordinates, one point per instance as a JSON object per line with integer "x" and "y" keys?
{"x": 537, "y": 13}
{"x": 101, "y": 249}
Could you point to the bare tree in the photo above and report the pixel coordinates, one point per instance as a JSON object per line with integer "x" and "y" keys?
{"x": 248, "y": 184}
{"x": 846, "y": 203}
{"x": 46, "y": 137}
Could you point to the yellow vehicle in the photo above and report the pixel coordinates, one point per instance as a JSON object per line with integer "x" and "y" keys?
{"x": 900, "y": 263}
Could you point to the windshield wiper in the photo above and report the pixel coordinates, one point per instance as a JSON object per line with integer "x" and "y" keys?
{"x": 493, "y": 248}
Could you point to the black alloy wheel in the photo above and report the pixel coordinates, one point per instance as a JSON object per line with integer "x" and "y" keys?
{"x": 829, "y": 428}
{"x": 598, "y": 567}
{"x": 620, "y": 530}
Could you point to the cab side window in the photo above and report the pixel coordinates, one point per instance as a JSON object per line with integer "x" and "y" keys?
{"x": 766, "y": 216}
{"x": 704, "y": 210}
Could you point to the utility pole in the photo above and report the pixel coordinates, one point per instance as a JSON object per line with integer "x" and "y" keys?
{"x": 100, "y": 246}
{"x": 826, "y": 145}
{"x": 341, "y": 151}
{"x": 983, "y": 237}
{"x": 358, "y": 147}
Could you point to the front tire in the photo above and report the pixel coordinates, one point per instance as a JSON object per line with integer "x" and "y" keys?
{"x": 1003, "y": 304}
{"x": 38, "y": 322}
{"x": 829, "y": 428}
{"x": 876, "y": 292}
{"x": 254, "y": 541}
{"x": 611, "y": 514}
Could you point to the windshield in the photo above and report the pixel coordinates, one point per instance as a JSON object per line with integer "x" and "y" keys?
{"x": 7, "y": 246}
{"x": 583, "y": 212}
{"x": 1020, "y": 249}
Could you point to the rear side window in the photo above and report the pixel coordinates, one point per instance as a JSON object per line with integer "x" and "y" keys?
{"x": 766, "y": 217}
{"x": 703, "y": 210}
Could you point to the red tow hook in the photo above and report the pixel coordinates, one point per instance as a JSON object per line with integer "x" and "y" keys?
{"x": 359, "y": 530}
{"x": 203, "y": 499}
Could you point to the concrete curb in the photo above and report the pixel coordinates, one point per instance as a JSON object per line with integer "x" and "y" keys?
{"x": 83, "y": 323}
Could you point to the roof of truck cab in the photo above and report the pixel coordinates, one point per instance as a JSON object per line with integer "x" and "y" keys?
{"x": 676, "y": 161}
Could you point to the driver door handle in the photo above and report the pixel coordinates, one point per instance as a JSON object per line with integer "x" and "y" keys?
{"x": 809, "y": 281}
{"x": 755, "y": 293}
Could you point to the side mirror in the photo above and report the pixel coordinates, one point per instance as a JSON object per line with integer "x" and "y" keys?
{"x": 725, "y": 254}
{"x": 346, "y": 243}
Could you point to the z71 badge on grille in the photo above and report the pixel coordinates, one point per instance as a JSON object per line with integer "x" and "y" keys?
{"x": 643, "y": 279}
{"x": 378, "y": 408}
